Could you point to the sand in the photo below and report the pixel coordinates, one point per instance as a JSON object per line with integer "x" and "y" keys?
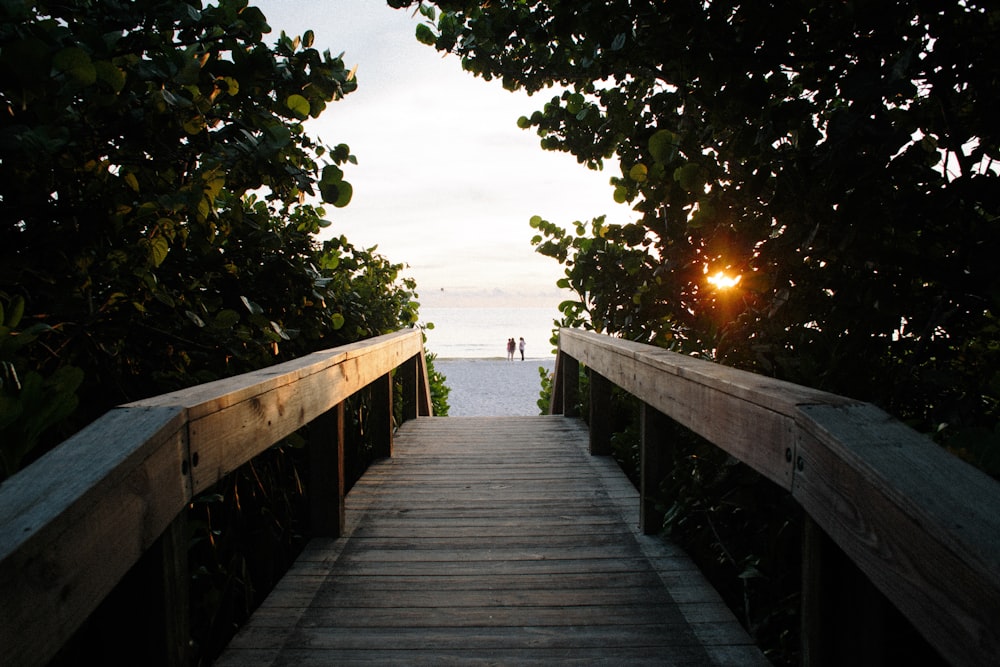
{"x": 484, "y": 387}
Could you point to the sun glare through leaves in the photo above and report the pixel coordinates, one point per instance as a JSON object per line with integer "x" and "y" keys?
{"x": 722, "y": 280}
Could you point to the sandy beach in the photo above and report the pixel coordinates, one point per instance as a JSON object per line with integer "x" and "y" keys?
{"x": 482, "y": 387}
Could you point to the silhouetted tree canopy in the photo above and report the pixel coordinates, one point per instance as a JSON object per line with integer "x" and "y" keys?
{"x": 154, "y": 169}
{"x": 838, "y": 157}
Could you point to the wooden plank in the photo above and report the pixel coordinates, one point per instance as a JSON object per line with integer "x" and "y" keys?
{"x": 922, "y": 525}
{"x": 749, "y": 416}
{"x": 275, "y": 617}
{"x": 530, "y": 657}
{"x": 233, "y": 420}
{"x": 529, "y": 553}
{"x": 596, "y": 351}
{"x": 77, "y": 519}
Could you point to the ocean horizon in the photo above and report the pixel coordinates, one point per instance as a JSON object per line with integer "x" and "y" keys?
{"x": 482, "y": 333}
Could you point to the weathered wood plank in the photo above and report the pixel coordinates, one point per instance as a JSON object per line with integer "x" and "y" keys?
{"x": 747, "y": 415}
{"x": 922, "y": 525}
{"x": 529, "y": 551}
{"x": 76, "y": 520}
{"x": 234, "y": 419}
{"x": 79, "y": 518}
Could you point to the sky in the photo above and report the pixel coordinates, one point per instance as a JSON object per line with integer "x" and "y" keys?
{"x": 445, "y": 182}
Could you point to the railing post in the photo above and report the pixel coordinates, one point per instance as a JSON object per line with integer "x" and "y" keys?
{"x": 843, "y": 615}
{"x": 409, "y": 372}
{"x": 654, "y": 464}
{"x": 326, "y": 473}
{"x": 425, "y": 407}
{"x": 555, "y": 401}
{"x": 148, "y": 612}
{"x": 173, "y": 554}
{"x": 380, "y": 417}
{"x": 571, "y": 386}
{"x": 600, "y": 414}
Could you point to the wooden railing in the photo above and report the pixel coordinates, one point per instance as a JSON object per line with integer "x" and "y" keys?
{"x": 923, "y": 526}
{"x": 114, "y": 495}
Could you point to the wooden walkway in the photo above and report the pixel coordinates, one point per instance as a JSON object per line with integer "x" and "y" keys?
{"x": 492, "y": 541}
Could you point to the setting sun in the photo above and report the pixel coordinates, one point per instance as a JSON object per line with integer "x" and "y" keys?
{"x": 721, "y": 280}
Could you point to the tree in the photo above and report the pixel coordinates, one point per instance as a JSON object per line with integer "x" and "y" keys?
{"x": 154, "y": 168}
{"x": 840, "y": 160}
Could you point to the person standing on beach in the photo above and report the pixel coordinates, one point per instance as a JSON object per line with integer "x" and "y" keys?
{"x": 521, "y": 346}
{"x": 510, "y": 349}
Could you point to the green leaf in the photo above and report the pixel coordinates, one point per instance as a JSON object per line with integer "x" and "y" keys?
{"x": 226, "y": 319}
{"x": 425, "y": 35}
{"x": 663, "y": 145}
{"x": 16, "y": 312}
{"x": 195, "y": 124}
{"x": 338, "y": 194}
{"x": 131, "y": 181}
{"x": 156, "y": 249}
{"x": 113, "y": 76}
{"x": 174, "y": 100}
{"x": 689, "y": 177}
{"x": 251, "y": 306}
{"x": 337, "y": 321}
{"x": 193, "y": 316}
{"x": 279, "y": 330}
{"x": 332, "y": 174}
{"x": 163, "y": 298}
{"x": 75, "y": 64}
{"x": 232, "y": 85}
{"x": 638, "y": 173}
{"x": 298, "y": 105}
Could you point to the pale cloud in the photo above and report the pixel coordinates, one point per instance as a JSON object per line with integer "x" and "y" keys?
{"x": 445, "y": 182}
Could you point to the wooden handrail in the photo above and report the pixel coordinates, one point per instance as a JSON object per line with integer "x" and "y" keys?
{"x": 75, "y": 521}
{"x": 921, "y": 524}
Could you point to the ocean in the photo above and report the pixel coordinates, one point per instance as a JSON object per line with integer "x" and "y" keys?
{"x": 482, "y": 333}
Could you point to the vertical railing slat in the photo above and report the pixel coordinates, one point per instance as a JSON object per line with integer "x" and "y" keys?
{"x": 409, "y": 372}
{"x": 326, "y": 473}
{"x": 570, "y": 386}
{"x": 380, "y": 422}
{"x": 654, "y": 465}
{"x": 601, "y": 426}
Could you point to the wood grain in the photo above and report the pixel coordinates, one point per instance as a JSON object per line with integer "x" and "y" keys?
{"x": 493, "y": 541}
{"x": 75, "y": 521}
{"x": 233, "y": 420}
{"x": 921, "y": 524}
